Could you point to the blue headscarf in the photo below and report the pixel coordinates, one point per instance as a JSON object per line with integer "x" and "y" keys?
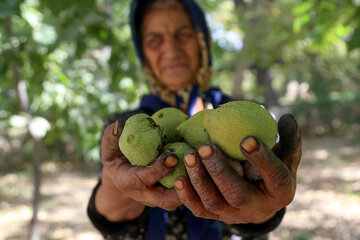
{"x": 196, "y": 14}
{"x": 182, "y": 98}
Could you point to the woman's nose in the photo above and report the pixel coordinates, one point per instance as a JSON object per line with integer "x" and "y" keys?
{"x": 171, "y": 47}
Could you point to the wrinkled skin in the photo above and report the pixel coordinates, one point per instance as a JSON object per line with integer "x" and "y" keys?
{"x": 214, "y": 190}
{"x": 135, "y": 181}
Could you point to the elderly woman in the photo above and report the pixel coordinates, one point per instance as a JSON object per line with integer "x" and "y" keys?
{"x": 214, "y": 202}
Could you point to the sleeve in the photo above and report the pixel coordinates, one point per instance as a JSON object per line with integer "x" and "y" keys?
{"x": 134, "y": 229}
{"x": 250, "y": 230}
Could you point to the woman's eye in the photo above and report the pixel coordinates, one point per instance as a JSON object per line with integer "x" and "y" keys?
{"x": 153, "y": 41}
{"x": 185, "y": 35}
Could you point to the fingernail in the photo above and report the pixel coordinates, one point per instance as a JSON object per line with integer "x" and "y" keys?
{"x": 115, "y": 128}
{"x": 179, "y": 185}
{"x": 205, "y": 151}
{"x": 249, "y": 145}
{"x": 190, "y": 160}
{"x": 170, "y": 162}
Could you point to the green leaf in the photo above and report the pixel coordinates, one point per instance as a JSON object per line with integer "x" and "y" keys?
{"x": 57, "y": 6}
{"x": 302, "y": 8}
{"x": 80, "y": 47}
{"x": 86, "y": 4}
{"x": 299, "y": 22}
{"x": 354, "y": 41}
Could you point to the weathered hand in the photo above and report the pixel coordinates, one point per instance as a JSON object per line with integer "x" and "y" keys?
{"x": 135, "y": 181}
{"x": 215, "y": 190}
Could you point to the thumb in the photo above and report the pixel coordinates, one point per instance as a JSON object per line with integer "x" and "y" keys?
{"x": 109, "y": 144}
{"x": 289, "y": 148}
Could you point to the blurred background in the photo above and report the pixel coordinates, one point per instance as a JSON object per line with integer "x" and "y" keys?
{"x": 66, "y": 65}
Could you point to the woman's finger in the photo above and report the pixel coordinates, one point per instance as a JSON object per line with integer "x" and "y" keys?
{"x": 236, "y": 191}
{"x": 109, "y": 143}
{"x": 191, "y": 200}
{"x": 204, "y": 186}
{"x": 276, "y": 176}
{"x": 289, "y": 148}
{"x": 157, "y": 196}
{"x": 151, "y": 174}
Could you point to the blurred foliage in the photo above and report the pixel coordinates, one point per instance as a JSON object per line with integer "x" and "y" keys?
{"x": 311, "y": 48}
{"x": 78, "y": 63}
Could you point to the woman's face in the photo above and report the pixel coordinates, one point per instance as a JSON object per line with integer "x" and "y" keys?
{"x": 171, "y": 46}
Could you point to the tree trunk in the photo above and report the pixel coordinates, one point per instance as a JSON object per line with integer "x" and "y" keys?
{"x": 264, "y": 81}
{"x": 34, "y": 233}
{"x": 262, "y": 74}
{"x": 22, "y": 94}
{"x": 238, "y": 80}
{"x": 241, "y": 66}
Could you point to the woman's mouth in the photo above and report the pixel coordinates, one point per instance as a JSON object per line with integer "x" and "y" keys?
{"x": 172, "y": 67}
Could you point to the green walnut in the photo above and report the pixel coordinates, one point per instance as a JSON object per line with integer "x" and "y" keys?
{"x": 141, "y": 140}
{"x": 179, "y": 148}
{"x": 229, "y": 124}
{"x": 168, "y": 119}
{"x": 193, "y": 131}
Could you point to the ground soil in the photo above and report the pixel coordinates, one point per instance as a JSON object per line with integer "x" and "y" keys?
{"x": 326, "y": 205}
